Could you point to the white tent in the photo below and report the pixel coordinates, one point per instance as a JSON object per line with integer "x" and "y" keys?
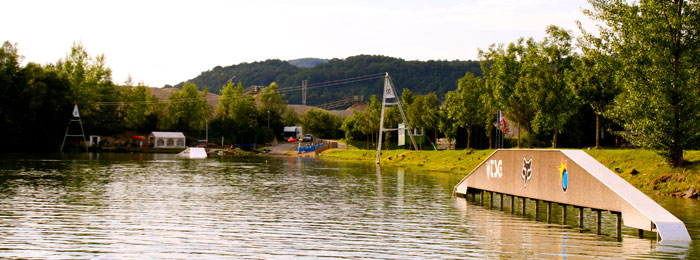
{"x": 167, "y": 139}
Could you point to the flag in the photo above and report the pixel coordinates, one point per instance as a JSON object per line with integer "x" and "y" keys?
{"x": 502, "y": 121}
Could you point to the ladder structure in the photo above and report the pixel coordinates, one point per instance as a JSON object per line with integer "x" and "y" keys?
{"x": 76, "y": 118}
{"x": 390, "y": 93}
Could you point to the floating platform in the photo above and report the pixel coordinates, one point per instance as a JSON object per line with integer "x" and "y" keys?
{"x": 570, "y": 178}
{"x": 193, "y": 153}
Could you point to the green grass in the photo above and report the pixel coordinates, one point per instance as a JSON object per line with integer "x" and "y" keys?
{"x": 652, "y": 174}
{"x": 455, "y": 161}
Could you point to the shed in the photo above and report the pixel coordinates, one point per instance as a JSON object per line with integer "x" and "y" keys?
{"x": 167, "y": 139}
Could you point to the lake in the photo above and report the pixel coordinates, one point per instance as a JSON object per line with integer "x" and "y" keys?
{"x": 155, "y": 206}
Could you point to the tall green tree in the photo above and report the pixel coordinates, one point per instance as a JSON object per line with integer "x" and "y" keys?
{"x": 91, "y": 83}
{"x": 463, "y": 105}
{"x": 188, "y": 111}
{"x": 236, "y": 117}
{"x": 488, "y": 99}
{"x": 271, "y": 108}
{"x": 431, "y": 118}
{"x": 447, "y": 125}
{"x": 142, "y": 110}
{"x": 415, "y": 113}
{"x": 593, "y": 81}
{"x": 657, "y": 43}
{"x": 545, "y": 65}
{"x": 321, "y": 124}
{"x": 504, "y": 77}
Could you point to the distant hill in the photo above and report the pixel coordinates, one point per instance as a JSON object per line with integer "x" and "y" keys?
{"x": 307, "y": 62}
{"x": 421, "y": 77}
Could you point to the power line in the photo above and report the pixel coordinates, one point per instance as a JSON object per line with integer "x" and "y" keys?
{"x": 280, "y": 90}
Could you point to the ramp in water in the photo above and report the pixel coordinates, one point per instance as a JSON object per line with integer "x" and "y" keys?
{"x": 571, "y": 177}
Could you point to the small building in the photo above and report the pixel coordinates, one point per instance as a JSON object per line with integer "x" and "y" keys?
{"x": 167, "y": 139}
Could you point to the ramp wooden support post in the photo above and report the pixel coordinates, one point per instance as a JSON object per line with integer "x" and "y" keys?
{"x": 598, "y": 220}
{"x": 618, "y": 225}
{"x": 563, "y": 214}
{"x": 481, "y": 197}
{"x": 501, "y": 205}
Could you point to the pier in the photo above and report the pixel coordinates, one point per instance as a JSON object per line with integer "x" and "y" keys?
{"x": 571, "y": 179}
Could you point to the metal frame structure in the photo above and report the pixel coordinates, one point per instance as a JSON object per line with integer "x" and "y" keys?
{"x": 390, "y": 93}
{"x": 76, "y": 118}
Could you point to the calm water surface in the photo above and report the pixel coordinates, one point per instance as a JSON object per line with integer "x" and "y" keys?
{"x": 121, "y": 206}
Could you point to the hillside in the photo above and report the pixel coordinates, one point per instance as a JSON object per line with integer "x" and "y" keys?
{"x": 421, "y": 77}
{"x": 307, "y": 62}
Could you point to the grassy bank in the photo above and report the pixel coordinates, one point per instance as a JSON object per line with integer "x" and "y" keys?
{"x": 644, "y": 169}
{"x": 454, "y": 161}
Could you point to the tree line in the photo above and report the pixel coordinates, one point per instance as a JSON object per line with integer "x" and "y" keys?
{"x": 640, "y": 73}
{"x": 36, "y": 103}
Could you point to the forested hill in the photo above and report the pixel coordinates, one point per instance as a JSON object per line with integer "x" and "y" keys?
{"x": 307, "y": 62}
{"x": 421, "y": 77}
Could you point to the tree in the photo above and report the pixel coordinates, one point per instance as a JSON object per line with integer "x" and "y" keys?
{"x": 657, "y": 45}
{"x": 593, "y": 81}
{"x": 350, "y": 127}
{"x": 463, "y": 105}
{"x": 272, "y": 107}
{"x": 407, "y": 97}
{"x": 142, "y": 110}
{"x": 373, "y": 112}
{"x": 488, "y": 100}
{"x": 505, "y": 82}
{"x": 33, "y": 98}
{"x": 321, "y": 124}
{"x": 415, "y": 113}
{"x": 431, "y": 118}
{"x": 91, "y": 83}
{"x": 543, "y": 73}
{"x": 188, "y": 110}
{"x": 236, "y": 117}
{"x": 447, "y": 125}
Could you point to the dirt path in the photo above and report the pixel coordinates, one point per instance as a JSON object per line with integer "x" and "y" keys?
{"x": 281, "y": 148}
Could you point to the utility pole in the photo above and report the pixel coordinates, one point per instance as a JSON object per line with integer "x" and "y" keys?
{"x": 390, "y": 93}
{"x": 303, "y": 91}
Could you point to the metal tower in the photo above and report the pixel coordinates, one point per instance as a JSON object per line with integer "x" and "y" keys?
{"x": 76, "y": 118}
{"x": 390, "y": 93}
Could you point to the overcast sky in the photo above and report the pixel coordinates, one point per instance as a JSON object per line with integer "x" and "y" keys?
{"x": 166, "y": 42}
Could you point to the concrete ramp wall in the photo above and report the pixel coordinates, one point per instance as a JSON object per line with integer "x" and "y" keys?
{"x": 571, "y": 177}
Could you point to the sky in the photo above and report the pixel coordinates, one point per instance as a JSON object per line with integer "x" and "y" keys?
{"x": 167, "y": 42}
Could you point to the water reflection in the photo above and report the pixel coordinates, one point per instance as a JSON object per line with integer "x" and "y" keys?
{"x": 121, "y": 206}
